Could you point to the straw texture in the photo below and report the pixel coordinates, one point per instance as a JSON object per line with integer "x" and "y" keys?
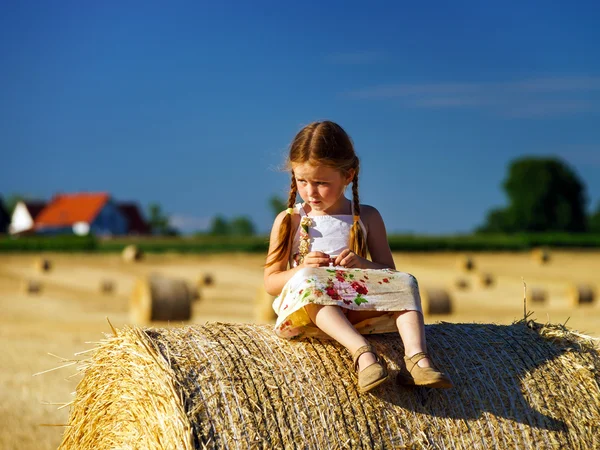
{"x": 238, "y": 386}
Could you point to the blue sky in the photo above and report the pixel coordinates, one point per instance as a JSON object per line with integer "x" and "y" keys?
{"x": 193, "y": 104}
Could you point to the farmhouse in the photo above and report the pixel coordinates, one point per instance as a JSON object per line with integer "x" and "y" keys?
{"x": 81, "y": 214}
{"x": 24, "y": 215}
{"x": 4, "y": 218}
{"x": 136, "y": 224}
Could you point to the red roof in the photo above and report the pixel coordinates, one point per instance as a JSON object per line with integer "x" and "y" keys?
{"x": 68, "y": 209}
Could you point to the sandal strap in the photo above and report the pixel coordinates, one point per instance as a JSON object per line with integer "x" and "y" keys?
{"x": 414, "y": 359}
{"x": 364, "y": 349}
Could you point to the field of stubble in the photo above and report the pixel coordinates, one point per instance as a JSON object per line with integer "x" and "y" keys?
{"x": 70, "y": 312}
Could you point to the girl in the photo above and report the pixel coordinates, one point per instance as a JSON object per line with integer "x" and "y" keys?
{"x": 359, "y": 295}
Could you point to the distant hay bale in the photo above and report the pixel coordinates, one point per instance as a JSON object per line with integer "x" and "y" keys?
{"x": 43, "y": 265}
{"x": 206, "y": 280}
{"x": 132, "y": 253}
{"x": 541, "y": 255}
{"x": 581, "y": 294}
{"x": 156, "y": 298}
{"x": 107, "y": 287}
{"x": 436, "y": 301}
{"x": 466, "y": 263}
{"x": 486, "y": 280}
{"x": 538, "y": 295}
{"x": 263, "y": 306}
{"x": 462, "y": 284}
{"x": 239, "y": 386}
{"x": 31, "y": 286}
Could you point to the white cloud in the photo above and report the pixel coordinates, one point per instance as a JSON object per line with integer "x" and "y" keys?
{"x": 537, "y": 97}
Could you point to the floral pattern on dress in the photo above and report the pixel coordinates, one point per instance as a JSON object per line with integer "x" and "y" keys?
{"x": 356, "y": 289}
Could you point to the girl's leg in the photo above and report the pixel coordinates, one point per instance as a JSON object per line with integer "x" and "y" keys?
{"x": 334, "y": 322}
{"x": 411, "y": 327}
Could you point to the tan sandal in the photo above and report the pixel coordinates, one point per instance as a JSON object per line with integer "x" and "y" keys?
{"x": 415, "y": 375}
{"x": 372, "y": 375}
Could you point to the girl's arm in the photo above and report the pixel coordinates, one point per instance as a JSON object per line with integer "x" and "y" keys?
{"x": 277, "y": 274}
{"x": 377, "y": 243}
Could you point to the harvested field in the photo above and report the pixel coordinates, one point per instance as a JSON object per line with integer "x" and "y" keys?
{"x": 71, "y": 310}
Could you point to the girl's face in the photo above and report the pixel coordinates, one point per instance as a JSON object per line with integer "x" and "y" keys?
{"x": 322, "y": 187}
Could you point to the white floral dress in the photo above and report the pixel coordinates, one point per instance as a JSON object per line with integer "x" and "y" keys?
{"x": 383, "y": 290}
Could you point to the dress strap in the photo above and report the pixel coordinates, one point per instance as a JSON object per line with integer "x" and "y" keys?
{"x": 300, "y": 209}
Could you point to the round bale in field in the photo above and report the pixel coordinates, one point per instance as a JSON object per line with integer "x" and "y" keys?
{"x": 486, "y": 280}
{"x": 466, "y": 263}
{"x": 581, "y": 294}
{"x": 31, "y": 286}
{"x": 157, "y": 298}
{"x": 436, "y": 301}
{"x": 132, "y": 253}
{"x": 538, "y": 295}
{"x": 263, "y": 306}
{"x": 461, "y": 283}
{"x": 43, "y": 265}
{"x": 239, "y": 386}
{"x": 541, "y": 255}
{"x": 107, "y": 287}
{"x": 206, "y": 280}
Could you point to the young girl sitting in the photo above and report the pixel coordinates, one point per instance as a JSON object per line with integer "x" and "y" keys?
{"x": 317, "y": 264}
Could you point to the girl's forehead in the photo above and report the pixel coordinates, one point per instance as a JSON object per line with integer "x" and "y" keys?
{"x": 307, "y": 170}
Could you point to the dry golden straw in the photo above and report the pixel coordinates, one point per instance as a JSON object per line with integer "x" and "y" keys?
{"x": 238, "y": 386}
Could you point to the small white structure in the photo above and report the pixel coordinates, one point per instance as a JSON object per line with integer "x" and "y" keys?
{"x": 23, "y": 217}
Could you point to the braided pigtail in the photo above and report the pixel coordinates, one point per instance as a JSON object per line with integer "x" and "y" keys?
{"x": 358, "y": 243}
{"x": 285, "y": 229}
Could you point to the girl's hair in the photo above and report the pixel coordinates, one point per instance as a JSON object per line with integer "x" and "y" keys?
{"x": 321, "y": 143}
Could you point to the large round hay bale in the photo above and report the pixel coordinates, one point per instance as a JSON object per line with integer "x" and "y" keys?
{"x": 239, "y": 386}
{"x": 263, "y": 306}
{"x": 43, "y": 265}
{"x": 466, "y": 263}
{"x": 31, "y": 286}
{"x": 581, "y": 294}
{"x": 541, "y": 255}
{"x": 132, "y": 253}
{"x": 436, "y": 301}
{"x": 156, "y": 298}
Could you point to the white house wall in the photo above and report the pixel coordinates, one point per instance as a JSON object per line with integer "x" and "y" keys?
{"x": 21, "y": 219}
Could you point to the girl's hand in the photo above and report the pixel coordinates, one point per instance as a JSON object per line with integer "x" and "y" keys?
{"x": 350, "y": 259}
{"x": 316, "y": 259}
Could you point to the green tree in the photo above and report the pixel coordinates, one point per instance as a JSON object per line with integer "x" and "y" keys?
{"x": 594, "y": 220}
{"x": 241, "y": 226}
{"x": 159, "y": 221}
{"x": 219, "y": 227}
{"x": 544, "y": 194}
{"x": 277, "y": 204}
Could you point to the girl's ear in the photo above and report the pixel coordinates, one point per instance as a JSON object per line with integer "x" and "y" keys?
{"x": 350, "y": 176}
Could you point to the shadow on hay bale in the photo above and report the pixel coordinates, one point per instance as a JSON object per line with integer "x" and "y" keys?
{"x": 239, "y": 386}
{"x": 157, "y": 298}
